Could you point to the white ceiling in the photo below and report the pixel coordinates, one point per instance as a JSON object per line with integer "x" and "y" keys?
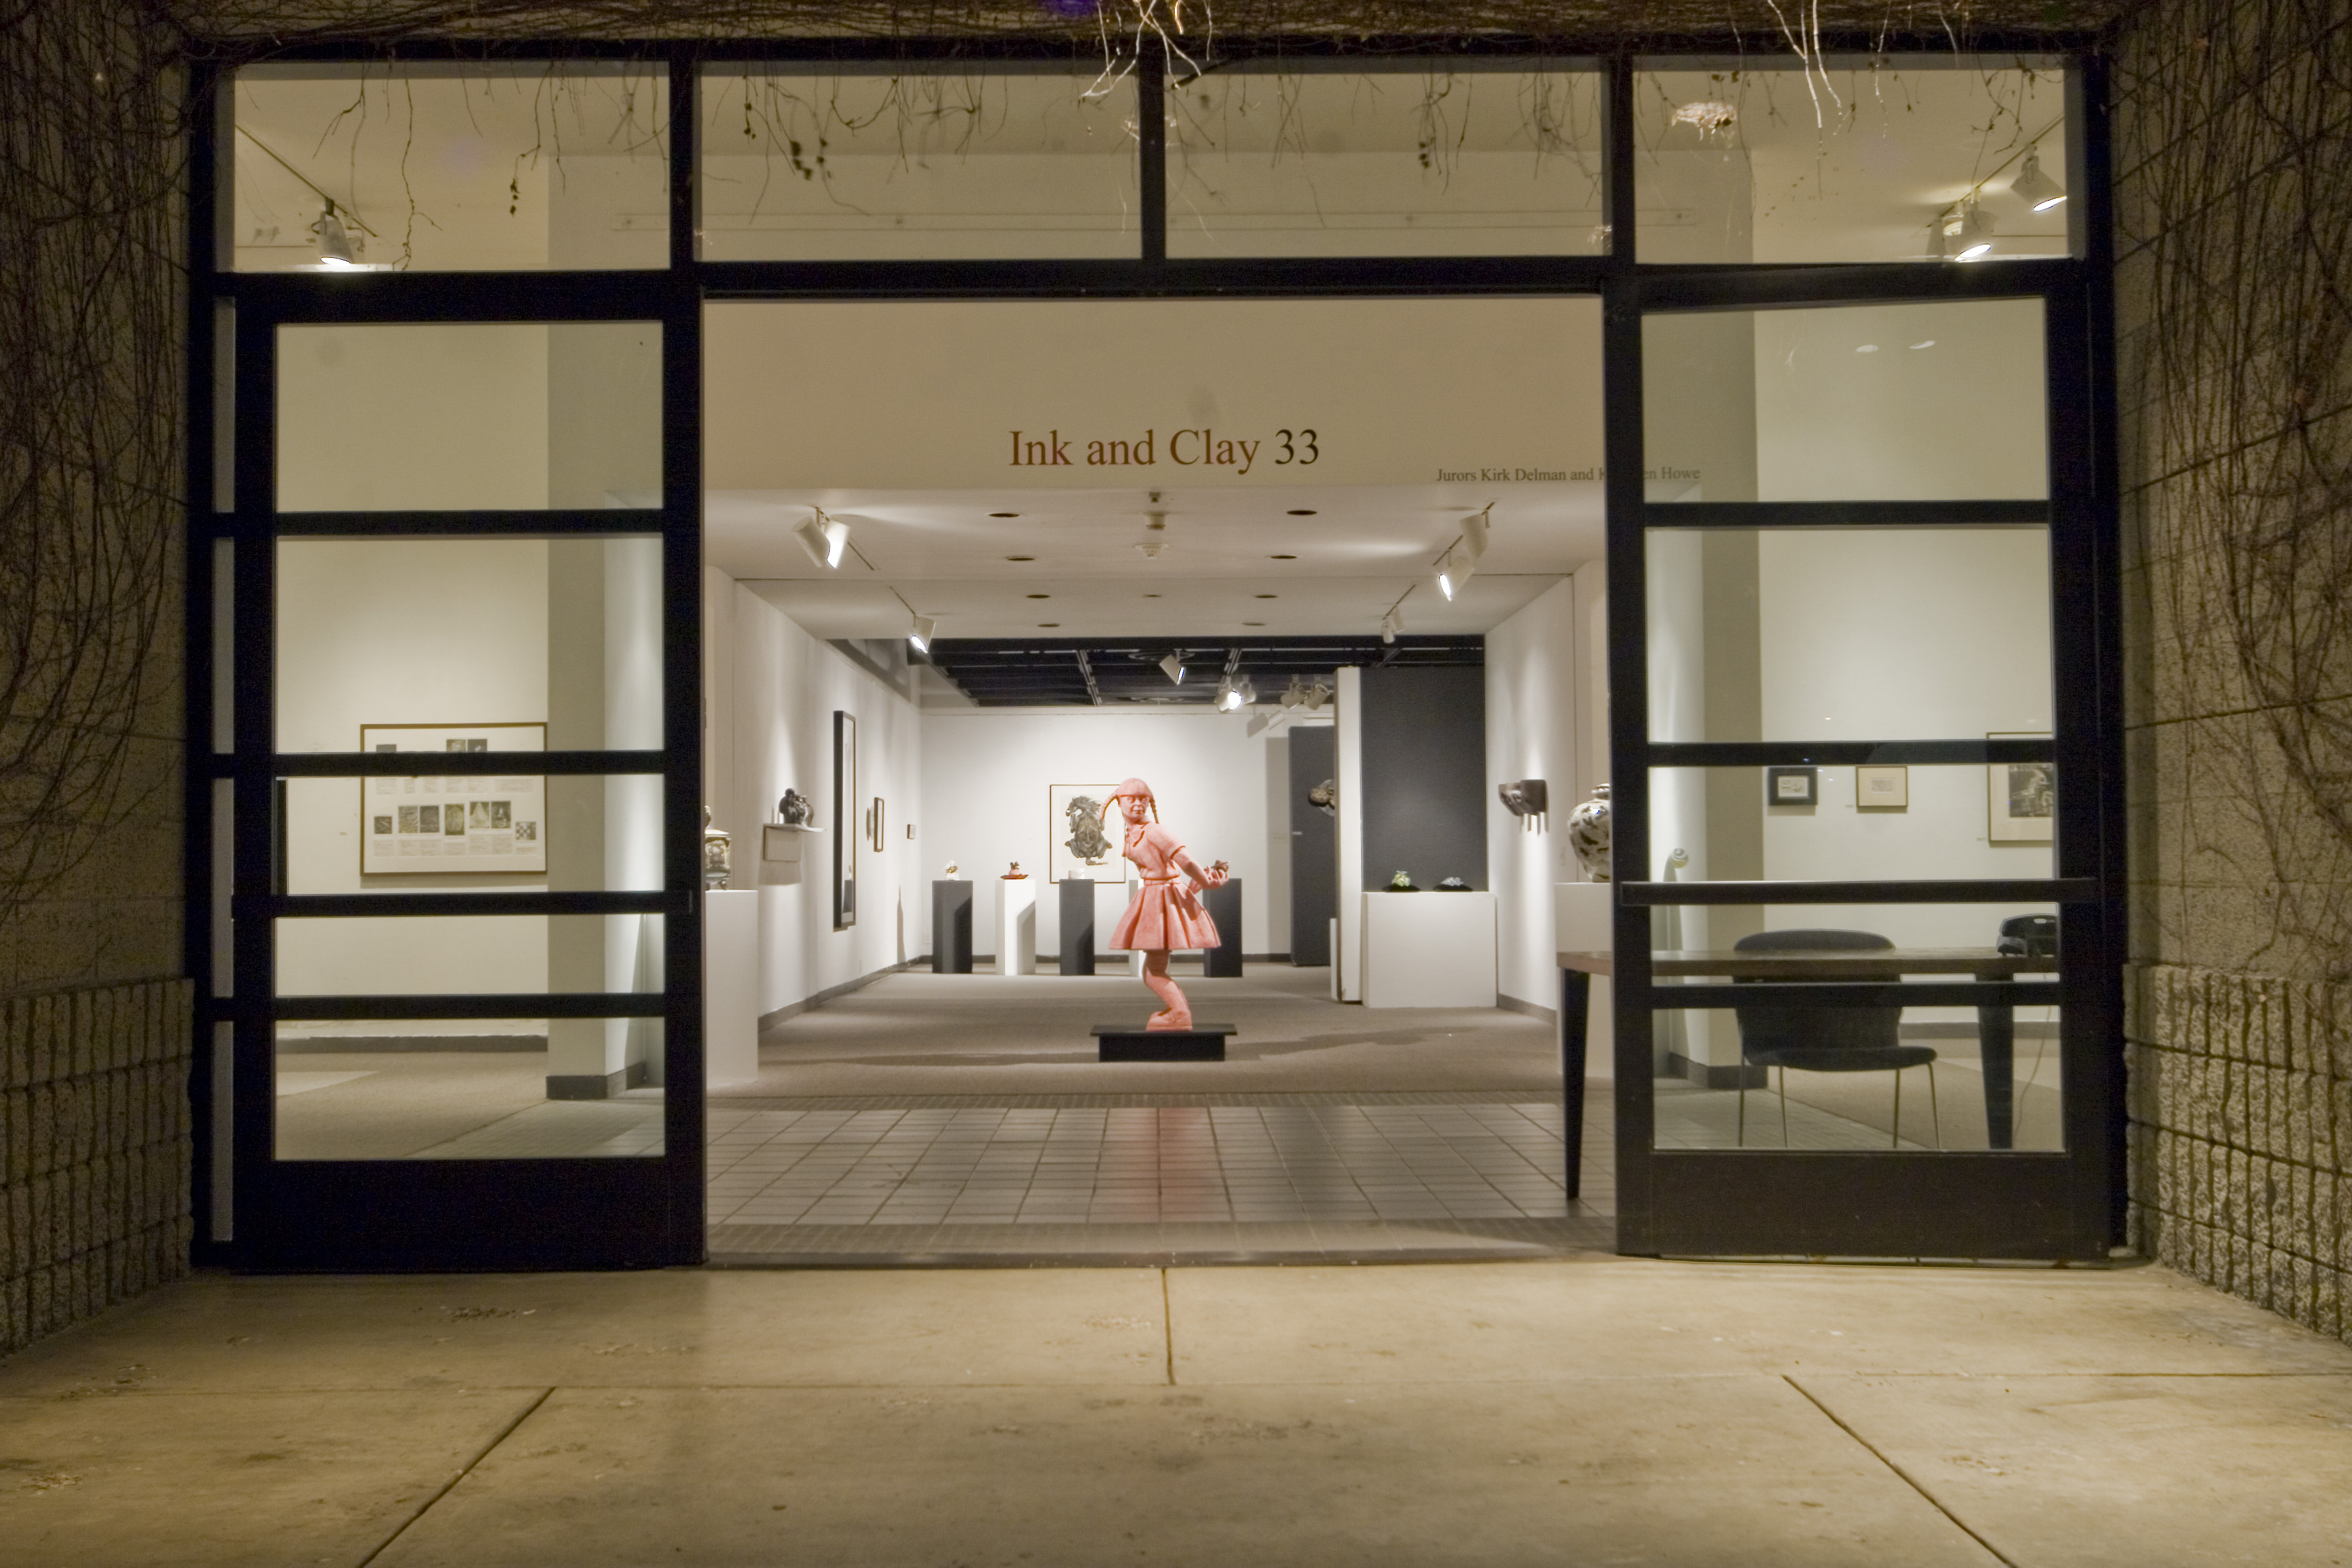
{"x": 1360, "y": 550}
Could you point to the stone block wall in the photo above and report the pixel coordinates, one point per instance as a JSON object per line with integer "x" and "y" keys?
{"x": 94, "y": 1139}
{"x": 2234, "y": 196}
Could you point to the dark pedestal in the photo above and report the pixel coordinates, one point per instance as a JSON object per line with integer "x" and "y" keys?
{"x": 1077, "y": 925}
{"x": 1133, "y": 1043}
{"x": 951, "y": 928}
{"x": 1224, "y": 907}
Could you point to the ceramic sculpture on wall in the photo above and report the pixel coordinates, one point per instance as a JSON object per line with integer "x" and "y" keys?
{"x": 1166, "y": 914}
{"x": 794, "y": 809}
{"x": 716, "y": 857}
{"x": 1588, "y": 835}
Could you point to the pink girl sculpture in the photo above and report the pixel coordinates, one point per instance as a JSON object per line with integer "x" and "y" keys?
{"x": 1167, "y": 914}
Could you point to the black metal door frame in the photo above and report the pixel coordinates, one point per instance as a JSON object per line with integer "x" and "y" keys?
{"x": 592, "y": 1213}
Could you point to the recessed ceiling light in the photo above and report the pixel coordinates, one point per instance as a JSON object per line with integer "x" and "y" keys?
{"x": 1021, "y": 558}
{"x": 1253, "y": 622}
{"x": 1041, "y": 595}
{"x": 1302, "y": 511}
{"x": 1004, "y": 514}
{"x": 1269, "y": 595}
{"x": 1282, "y": 558}
{"x": 1151, "y": 596}
{"x": 1047, "y": 625}
{"x": 1925, "y": 343}
{"x": 1865, "y": 348}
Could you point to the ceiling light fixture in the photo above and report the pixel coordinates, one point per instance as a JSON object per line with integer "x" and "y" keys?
{"x": 919, "y": 634}
{"x": 1865, "y": 348}
{"x": 1925, "y": 343}
{"x": 2034, "y": 188}
{"x": 1282, "y": 558}
{"x": 1302, "y": 511}
{"x": 1295, "y": 694}
{"x": 1004, "y": 514}
{"x": 335, "y": 248}
{"x": 1391, "y": 624}
{"x": 1967, "y": 231}
{"x": 1317, "y": 695}
{"x": 1455, "y": 569}
{"x": 1173, "y": 666}
{"x": 823, "y": 537}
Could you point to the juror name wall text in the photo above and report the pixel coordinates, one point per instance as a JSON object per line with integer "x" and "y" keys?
{"x": 1185, "y": 449}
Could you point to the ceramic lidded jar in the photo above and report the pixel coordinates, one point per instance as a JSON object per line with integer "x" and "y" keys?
{"x": 717, "y": 864}
{"x": 1588, "y": 834}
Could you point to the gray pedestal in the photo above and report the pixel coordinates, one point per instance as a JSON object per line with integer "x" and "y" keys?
{"x": 951, "y": 928}
{"x": 1224, "y": 907}
{"x": 1077, "y": 925}
{"x": 1126, "y": 1043}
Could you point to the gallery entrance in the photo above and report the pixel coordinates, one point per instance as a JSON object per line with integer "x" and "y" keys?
{"x": 942, "y": 629}
{"x": 708, "y": 473}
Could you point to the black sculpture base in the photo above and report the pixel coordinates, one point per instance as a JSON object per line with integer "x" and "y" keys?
{"x": 1127, "y": 1043}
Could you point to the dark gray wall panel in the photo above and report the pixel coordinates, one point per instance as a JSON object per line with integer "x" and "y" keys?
{"x": 1424, "y": 738}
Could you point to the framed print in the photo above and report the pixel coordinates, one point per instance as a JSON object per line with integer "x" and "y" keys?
{"x": 874, "y": 819}
{"x": 1792, "y": 786}
{"x": 440, "y": 825}
{"x": 2020, "y": 798}
{"x": 1083, "y": 847}
{"x": 1882, "y": 787}
{"x": 844, "y": 817}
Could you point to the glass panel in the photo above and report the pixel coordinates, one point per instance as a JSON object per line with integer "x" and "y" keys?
{"x": 518, "y": 832}
{"x": 1443, "y": 162}
{"x": 1824, "y": 1077}
{"x": 1848, "y": 633}
{"x": 469, "y": 1088}
{"x": 1871, "y": 164}
{"x": 520, "y": 415}
{"x": 949, "y": 164}
{"x": 481, "y": 644}
{"x": 469, "y": 955}
{"x": 1867, "y": 823}
{"x": 445, "y": 168}
{"x": 1937, "y": 402}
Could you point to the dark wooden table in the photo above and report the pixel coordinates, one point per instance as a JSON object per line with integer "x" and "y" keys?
{"x": 1996, "y": 1022}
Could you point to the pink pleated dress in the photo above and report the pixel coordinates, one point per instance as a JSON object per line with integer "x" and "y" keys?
{"x": 1166, "y": 914}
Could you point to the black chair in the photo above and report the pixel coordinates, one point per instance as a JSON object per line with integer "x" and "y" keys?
{"x": 1828, "y": 1040}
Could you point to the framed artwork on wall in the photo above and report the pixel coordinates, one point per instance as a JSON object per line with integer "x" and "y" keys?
{"x": 2020, "y": 798}
{"x": 1792, "y": 786}
{"x": 440, "y": 825}
{"x": 1083, "y": 847}
{"x": 845, "y": 815}
{"x": 874, "y": 820}
{"x": 1882, "y": 787}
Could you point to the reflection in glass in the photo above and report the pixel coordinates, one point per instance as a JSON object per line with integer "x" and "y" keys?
{"x": 1443, "y": 162}
{"x": 426, "y": 642}
{"x": 440, "y": 168}
{"x": 1920, "y": 401}
{"x": 807, "y": 164}
{"x": 440, "y": 417}
{"x": 1849, "y": 634}
{"x": 1869, "y": 164}
{"x": 1924, "y": 821}
{"x": 467, "y": 955}
{"x": 469, "y": 1088}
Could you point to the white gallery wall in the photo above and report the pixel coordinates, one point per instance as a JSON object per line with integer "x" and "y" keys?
{"x": 770, "y": 691}
{"x": 1222, "y": 788}
{"x": 1537, "y": 704}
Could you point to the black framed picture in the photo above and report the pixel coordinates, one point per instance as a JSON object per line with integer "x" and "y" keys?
{"x": 1792, "y": 786}
{"x": 845, "y": 815}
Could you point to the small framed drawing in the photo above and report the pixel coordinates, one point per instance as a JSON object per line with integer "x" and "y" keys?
{"x": 1882, "y": 787}
{"x": 844, "y": 817}
{"x": 1792, "y": 786}
{"x": 483, "y": 822}
{"x": 2020, "y": 798}
{"x": 1083, "y": 845}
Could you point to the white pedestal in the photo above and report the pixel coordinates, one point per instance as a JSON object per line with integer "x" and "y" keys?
{"x": 731, "y": 987}
{"x": 1429, "y": 950}
{"x": 1016, "y": 926}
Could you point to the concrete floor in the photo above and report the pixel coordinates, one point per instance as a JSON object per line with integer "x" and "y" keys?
{"x": 1592, "y": 1412}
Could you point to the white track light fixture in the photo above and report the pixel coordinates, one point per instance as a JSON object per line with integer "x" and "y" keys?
{"x": 1296, "y": 692}
{"x": 1452, "y": 572}
{"x": 825, "y": 538}
{"x": 1391, "y": 624}
{"x": 1173, "y": 668}
{"x": 334, "y": 240}
{"x": 1229, "y": 696}
{"x": 1968, "y": 233}
{"x": 1316, "y": 695}
{"x": 2034, "y": 188}
{"x": 919, "y": 634}
{"x": 1462, "y": 560}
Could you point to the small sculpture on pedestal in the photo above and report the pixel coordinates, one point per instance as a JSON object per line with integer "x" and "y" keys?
{"x": 1166, "y": 914}
{"x": 794, "y": 809}
{"x": 717, "y": 855}
{"x": 1015, "y": 875}
{"x": 1588, "y": 835}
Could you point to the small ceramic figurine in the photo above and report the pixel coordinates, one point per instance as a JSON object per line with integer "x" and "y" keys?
{"x": 1166, "y": 914}
{"x": 1588, "y": 835}
{"x": 948, "y": 870}
{"x": 1015, "y": 875}
{"x": 794, "y": 809}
